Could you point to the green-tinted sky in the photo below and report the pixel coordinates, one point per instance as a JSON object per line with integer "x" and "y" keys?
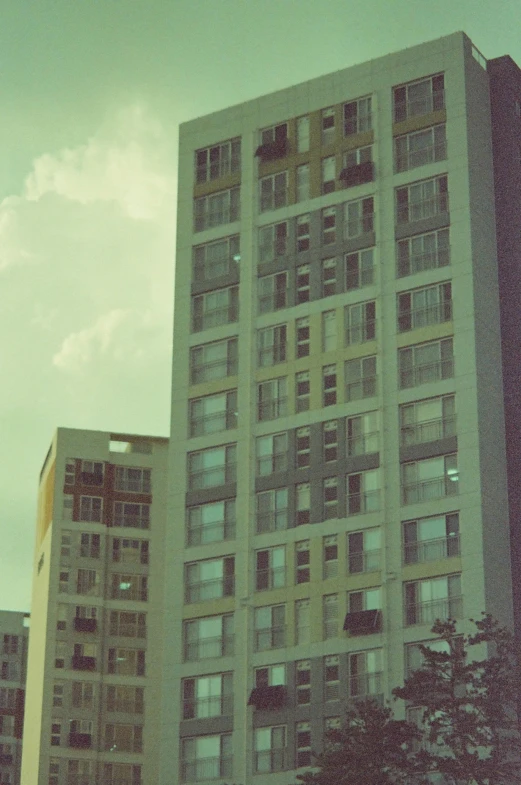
{"x": 91, "y": 93}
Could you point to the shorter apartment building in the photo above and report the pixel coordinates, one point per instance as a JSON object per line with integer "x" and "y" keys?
{"x": 14, "y": 636}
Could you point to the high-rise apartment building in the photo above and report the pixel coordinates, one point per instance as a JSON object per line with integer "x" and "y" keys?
{"x": 93, "y": 686}
{"x": 343, "y": 347}
{"x": 14, "y": 631}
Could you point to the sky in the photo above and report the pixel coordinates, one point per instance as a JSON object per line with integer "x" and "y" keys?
{"x": 92, "y": 93}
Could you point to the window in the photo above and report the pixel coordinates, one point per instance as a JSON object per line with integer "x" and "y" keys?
{"x": 6, "y": 725}
{"x": 303, "y": 682}
{"x": 302, "y": 347}
{"x": 360, "y": 378}
{"x": 212, "y": 467}
{"x": 129, "y": 587}
{"x": 302, "y": 391}
{"x": 88, "y": 582}
{"x": 362, "y": 434}
{"x": 328, "y": 174}
{"x": 272, "y": 399}
{"x": 428, "y": 420}
{"x": 212, "y": 260}
{"x": 125, "y": 738}
{"x": 213, "y": 361}
{"x": 82, "y": 695}
{"x": 10, "y": 644}
{"x": 365, "y": 600}
{"x": 302, "y": 571}
{"x": 270, "y": 627}
{"x": 115, "y": 773}
{"x": 7, "y": 698}
{"x": 330, "y": 615}
{"x": 270, "y": 676}
{"x": 128, "y": 624}
{"x": 63, "y": 586}
{"x": 273, "y": 191}
{"x": 360, "y": 322}
{"x": 213, "y": 522}
{"x": 127, "y": 551}
{"x": 358, "y": 217}
{"x": 419, "y": 148}
{"x": 206, "y": 757}
{"x": 61, "y": 617}
{"x": 329, "y": 335}
{"x": 328, "y": 125}
{"x": 330, "y": 496}
{"x": 10, "y": 671}
{"x": 273, "y": 292}
{"x": 303, "y": 284}
{"x": 425, "y": 363}
{"x": 363, "y": 551}
{"x": 302, "y": 134}
{"x": 132, "y": 480}
{"x": 329, "y": 225}
{"x": 123, "y": 698}
{"x": 65, "y": 547}
{"x": 60, "y": 654}
{"x": 363, "y": 492}
{"x": 302, "y": 744}
{"x": 303, "y": 447}
{"x": 134, "y": 516}
{"x": 355, "y": 159}
{"x": 430, "y": 478}
{"x": 270, "y": 749}
{"x": 417, "y": 98}
{"x": 423, "y": 252}
{"x": 274, "y": 133}
{"x": 329, "y": 276}
{"x": 302, "y": 233}
{"x": 271, "y": 345}
{"x": 68, "y": 505}
{"x": 216, "y": 209}
{"x": 213, "y": 413}
{"x": 70, "y": 471}
{"x": 272, "y": 453}
{"x": 331, "y": 678}
{"x": 357, "y": 116}
{"x": 218, "y": 161}
{"x": 272, "y": 510}
{"x": 84, "y": 656}
{"x": 303, "y": 503}
{"x": 302, "y": 182}
{"x": 365, "y": 674}
{"x": 208, "y": 637}
{"x": 425, "y": 306}
{"x": 330, "y": 440}
{"x": 207, "y": 696}
{"x": 270, "y": 568}
{"x": 329, "y": 385}
{"x": 330, "y": 556}
{"x": 414, "y": 658}
{"x": 422, "y": 200}
{"x": 273, "y": 241}
{"x": 91, "y": 508}
{"x": 56, "y": 729}
{"x": 302, "y": 621}
{"x": 431, "y": 539}
{"x": 91, "y": 473}
{"x": 435, "y": 598}
{"x": 214, "y": 309}
{"x": 359, "y": 269}
{"x": 126, "y": 662}
{"x": 210, "y": 579}
{"x": 90, "y": 545}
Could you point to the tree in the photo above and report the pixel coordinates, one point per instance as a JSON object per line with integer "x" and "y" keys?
{"x": 468, "y": 705}
{"x": 372, "y": 748}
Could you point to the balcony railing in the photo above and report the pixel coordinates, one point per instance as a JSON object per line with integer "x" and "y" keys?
{"x": 435, "y": 488}
{"x": 212, "y": 423}
{"x": 213, "y": 476}
{"x": 409, "y": 263}
{"x": 131, "y": 521}
{"x": 358, "y": 333}
{"x": 363, "y": 388}
{"x": 273, "y": 578}
{"x": 131, "y": 592}
{"x": 418, "y": 106}
{"x": 428, "y": 612}
{"x": 218, "y": 168}
{"x": 133, "y": 486}
{"x": 368, "y": 501}
{"x": 218, "y": 369}
{"x": 271, "y": 410}
{"x": 270, "y": 760}
{"x": 207, "y": 648}
{"x": 272, "y": 520}
{"x": 210, "y": 589}
{"x": 356, "y": 279}
{"x": 357, "y": 174}
{"x": 358, "y": 124}
{"x": 270, "y": 638}
{"x": 423, "y": 317}
{"x": 213, "y": 706}
{"x": 425, "y": 208}
{"x": 274, "y": 200}
{"x": 428, "y": 430}
{"x": 426, "y": 155}
{"x": 364, "y": 561}
{"x": 365, "y": 685}
{"x": 206, "y": 769}
{"x": 271, "y": 355}
{"x": 355, "y": 227}
{"x": 431, "y": 550}
{"x": 363, "y": 444}
{"x": 128, "y": 630}
{"x": 274, "y": 301}
{"x": 213, "y": 532}
{"x": 271, "y": 464}
{"x": 215, "y": 317}
{"x": 427, "y": 373}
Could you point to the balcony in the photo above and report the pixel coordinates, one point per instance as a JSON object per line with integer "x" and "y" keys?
{"x": 133, "y": 486}
{"x": 429, "y": 612}
{"x": 431, "y": 550}
{"x": 415, "y": 107}
{"x": 423, "y": 317}
{"x": 218, "y": 369}
{"x": 428, "y": 430}
{"x": 268, "y": 698}
{"x": 131, "y": 521}
{"x": 210, "y": 589}
{"x": 207, "y": 648}
{"x": 212, "y": 532}
{"x": 424, "y": 208}
{"x": 212, "y": 423}
{"x": 409, "y": 263}
{"x": 215, "y": 268}
{"x": 81, "y": 663}
{"x": 271, "y": 151}
{"x": 425, "y": 155}
{"x": 368, "y": 501}
{"x": 363, "y": 622}
{"x": 435, "y": 488}
{"x": 85, "y": 625}
{"x": 357, "y": 175}
{"x": 426, "y": 373}
{"x": 364, "y": 561}
{"x": 213, "y": 706}
{"x": 215, "y": 317}
{"x": 91, "y": 478}
{"x": 213, "y": 476}
{"x": 206, "y": 769}
{"x": 270, "y": 638}
{"x": 80, "y": 741}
